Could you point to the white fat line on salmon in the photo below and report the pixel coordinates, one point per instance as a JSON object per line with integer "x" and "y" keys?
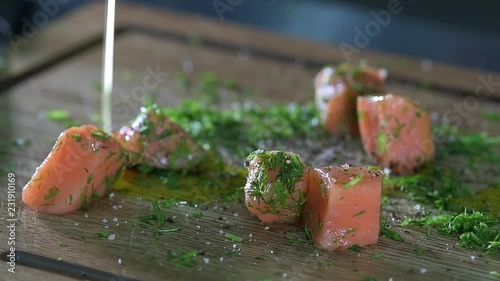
{"x": 11, "y": 222}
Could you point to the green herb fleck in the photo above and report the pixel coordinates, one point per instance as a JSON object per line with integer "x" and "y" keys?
{"x": 354, "y": 181}
{"x": 382, "y": 144}
{"x": 76, "y": 137}
{"x": 53, "y": 191}
{"x": 58, "y": 115}
{"x": 100, "y": 135}
{"x": 359, "y": 213}
{"x": 184, "y": 259}
{"x": 419, "y": 250}
{"x": 495, "y": 274}
{"x": 389, "y": 233}
{"x": 103, "y": 234}
{"x": 90, "y": 178}
{"x": 377, "y": 256}
{"x": 197, "y": 214}
{"x": 160, "y": 231}
{"x": 355, "y": 248}
{"x": 233, "y": 237}
{"x": 493, "y": 116}
{"x": 95, "y": 195}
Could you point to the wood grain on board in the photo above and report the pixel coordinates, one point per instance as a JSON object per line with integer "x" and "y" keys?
{"x": 278, "y": 253}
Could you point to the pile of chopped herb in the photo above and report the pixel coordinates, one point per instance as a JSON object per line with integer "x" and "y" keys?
{"x": 243, "y": 130}
{"x": 474, "y": 229}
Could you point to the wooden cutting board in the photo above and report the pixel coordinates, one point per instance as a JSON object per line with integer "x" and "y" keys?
{"x": 265, "y": 253}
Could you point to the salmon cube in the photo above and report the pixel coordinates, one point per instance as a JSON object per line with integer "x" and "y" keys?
{"x": 343, "y": 206}
{"x": 336, "y": 90}
{"x": 154, "y": 140}
{"x": 395, "y": 132}
{"x": 276, "y": 186}
{"x": 83, "y": 164}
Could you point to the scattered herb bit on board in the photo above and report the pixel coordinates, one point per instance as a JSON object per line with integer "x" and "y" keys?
{"x": 62, "y": 117}
{"x": 492, "y": 116}
{"x": 103, "y": 234}
{"x": 233, "y": 237}
{"x": 183, "y": 259}
{"x": 385, "y": 231}
{"x": 355, "y": 248}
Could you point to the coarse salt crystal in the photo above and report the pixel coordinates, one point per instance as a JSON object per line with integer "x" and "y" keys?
{"x": 119, "y": 261}
{"x": 111, "y": 195}
{"x": 86, "y": 216}
{"x": 111, "y": 237}
{"x": 76, "y": 224}
{"x": 266, "y": 228}
{"x": 206, "y": 260}
{"x": 104, "y": 220}
{"x": 221, "y": 259}
{"x": 221, "y": 231}
{"x": 423, "y": 270}
{"x": 115, "y": 219}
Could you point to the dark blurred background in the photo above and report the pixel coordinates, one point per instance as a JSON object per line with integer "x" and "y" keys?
{"x": 464, "y": 33}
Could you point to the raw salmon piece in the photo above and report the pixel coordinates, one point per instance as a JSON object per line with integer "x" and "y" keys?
{"x": 276, "y": 186}
{"x": 83, "y": 164}
{"x": 154, "y": 140}
{"x": 396, "y": 132}
{"x": 336, "y": 92}
{"x": 343, "y": 206}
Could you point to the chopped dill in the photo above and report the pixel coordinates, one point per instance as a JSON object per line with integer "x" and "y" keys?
{"x": 492, "y": 116}
{"x": 354, "y": 181}
{"x": 53, "y": 191}
{"x": 359, "y": 213}
{"x": 474, "y": 229}
{"x": 495, "y": 274}
{"x": 103, "y": 234}
{"x": 241, "y": 130}
{"x": 419, "y": 250}
{"x": 232, "y": 237}
{"x": 62, "y": 117}
{"x": 183, "y": 259}
{"x": 433, "y": 185}
{"x": 161, "y": 231}
{"x": 197, "y": 214}
{"x": 355, "y": 248}
{"x": 389, "y": 233}
{"x": 377, "y": 256}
